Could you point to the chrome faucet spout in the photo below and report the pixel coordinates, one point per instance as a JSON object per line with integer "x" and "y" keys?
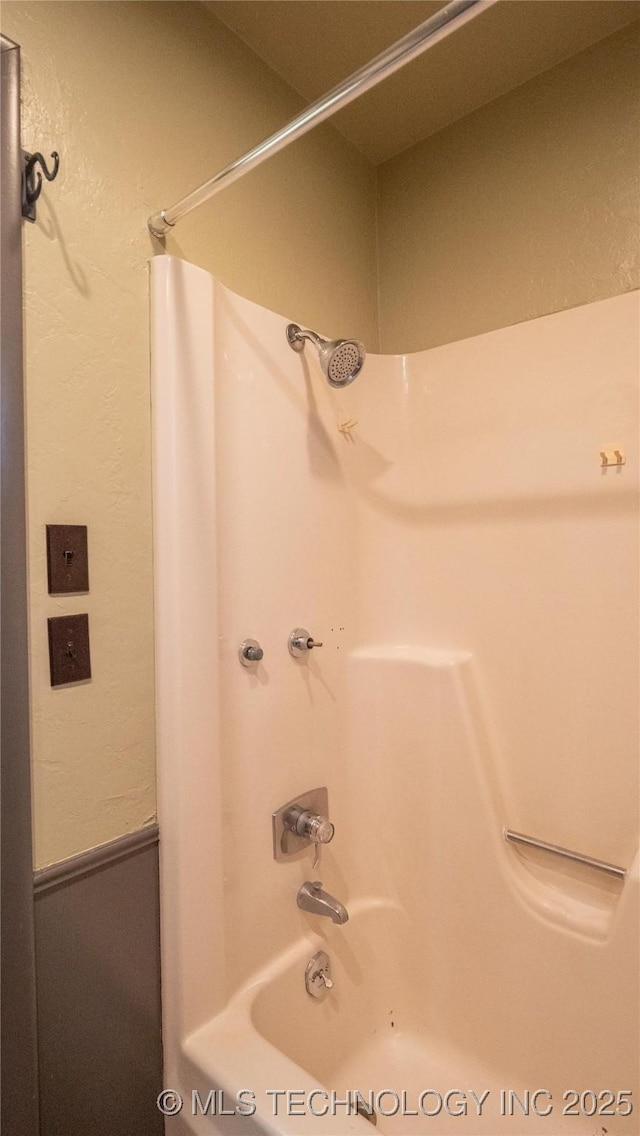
{"x": 312, "y": 898}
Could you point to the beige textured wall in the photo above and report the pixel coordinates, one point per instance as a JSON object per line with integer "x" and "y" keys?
{"x": 527, "y": 206}
{"x": 144, "y": 101}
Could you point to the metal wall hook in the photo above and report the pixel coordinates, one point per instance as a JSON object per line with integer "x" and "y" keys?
{"x": 32, "y": 180}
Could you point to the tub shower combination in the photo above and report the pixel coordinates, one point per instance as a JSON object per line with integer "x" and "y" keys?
{"x": 397, "y": 711}
{"x": 397, "y": 723}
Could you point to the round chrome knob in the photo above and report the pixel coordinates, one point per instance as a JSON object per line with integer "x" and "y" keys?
{"x": 311, "y": 826}
{"x": 250, "y": 652}
{"x": 301, "y": 642}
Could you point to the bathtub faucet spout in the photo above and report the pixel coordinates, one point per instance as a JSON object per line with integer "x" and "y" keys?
{"x": 312, "y": 898}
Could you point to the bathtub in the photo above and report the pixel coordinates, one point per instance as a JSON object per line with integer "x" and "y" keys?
{"x": 299, "y": 1065}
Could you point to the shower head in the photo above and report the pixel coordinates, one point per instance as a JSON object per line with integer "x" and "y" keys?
{"x": 340, "y": 359}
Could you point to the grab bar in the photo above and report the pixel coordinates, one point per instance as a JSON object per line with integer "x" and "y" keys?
{"x": 590, "y": 861}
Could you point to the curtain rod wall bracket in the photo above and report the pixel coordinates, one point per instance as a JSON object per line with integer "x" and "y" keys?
{"x": 159, "y": 226}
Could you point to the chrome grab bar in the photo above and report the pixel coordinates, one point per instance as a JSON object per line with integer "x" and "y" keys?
{"x": 558, "y": 850}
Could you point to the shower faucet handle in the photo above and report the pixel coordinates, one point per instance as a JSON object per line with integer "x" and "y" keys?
{"x": 312, "y": 826}
{"x": 301, "y": 823}
{"x": 250, "y": 652}
{"x": 301, "y": 642}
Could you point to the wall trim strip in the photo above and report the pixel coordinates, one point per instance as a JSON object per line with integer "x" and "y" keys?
{"x": 18, "y": 1031}
{"x": 95, "y": 859}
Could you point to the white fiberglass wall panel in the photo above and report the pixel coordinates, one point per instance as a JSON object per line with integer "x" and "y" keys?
{"x": 445, "y": 527}
{"x": 488, "y": 524}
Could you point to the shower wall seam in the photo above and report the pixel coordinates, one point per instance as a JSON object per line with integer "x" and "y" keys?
{"x": 376, "y": 221}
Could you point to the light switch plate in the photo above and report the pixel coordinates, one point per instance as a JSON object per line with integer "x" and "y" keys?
{"x": 69, "y": 655}
{"x": 67, "y": 559}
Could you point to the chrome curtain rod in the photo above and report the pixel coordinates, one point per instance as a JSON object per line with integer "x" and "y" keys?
{"x": 400, "y": 53}
{"x": 558, "y": 850}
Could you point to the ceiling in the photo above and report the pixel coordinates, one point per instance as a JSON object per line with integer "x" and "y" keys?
{"x": 314, "y": 44}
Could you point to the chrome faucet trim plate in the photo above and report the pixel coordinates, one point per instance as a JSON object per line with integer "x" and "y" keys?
{"x": 301, "y": 822}
{"x": 317, "y": 976}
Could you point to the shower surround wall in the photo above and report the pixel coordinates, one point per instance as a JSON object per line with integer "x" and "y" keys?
{"x": 471, "y": 570}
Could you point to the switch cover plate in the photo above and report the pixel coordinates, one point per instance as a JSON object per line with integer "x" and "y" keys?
{"x": 69, "y": 657}
{"x": 67, "y": 559}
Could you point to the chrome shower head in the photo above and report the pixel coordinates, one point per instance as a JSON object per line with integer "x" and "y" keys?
{"x": 340, "y": 359}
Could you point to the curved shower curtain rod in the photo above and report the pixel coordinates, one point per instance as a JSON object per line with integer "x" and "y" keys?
{"x": 392, "y": 59}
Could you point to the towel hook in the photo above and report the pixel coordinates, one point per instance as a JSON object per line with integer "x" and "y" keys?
{"x": 32, "y": 180}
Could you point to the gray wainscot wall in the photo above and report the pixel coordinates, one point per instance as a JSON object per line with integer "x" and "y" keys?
{"x": 97, "y": 935}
